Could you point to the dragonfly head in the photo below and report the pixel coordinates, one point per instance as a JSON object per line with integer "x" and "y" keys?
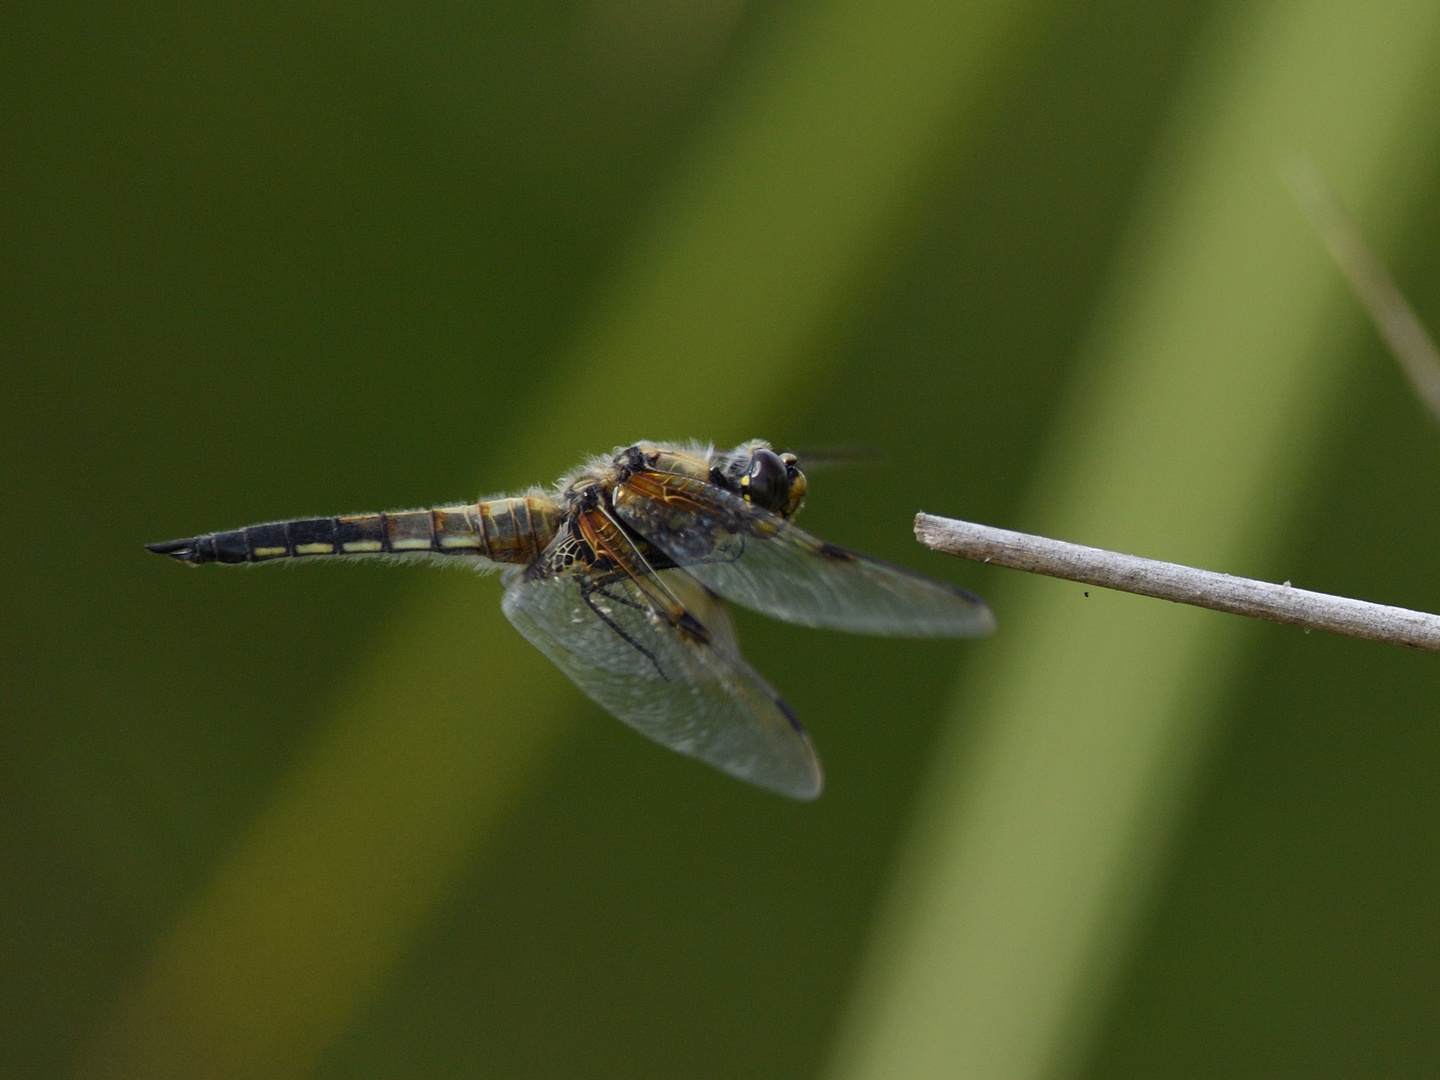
{"x": 773, "y": 481}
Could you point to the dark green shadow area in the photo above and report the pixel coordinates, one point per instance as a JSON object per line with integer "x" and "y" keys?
{"x": 255, "y": 263}
{"x": 1296, "y": 933}
{"x": 645, "y": 917}
{"x": 266, "y": 261}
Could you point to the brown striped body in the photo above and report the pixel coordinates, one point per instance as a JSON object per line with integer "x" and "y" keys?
{"x": 509, "y": 530}
{"x": 516, "y": 530}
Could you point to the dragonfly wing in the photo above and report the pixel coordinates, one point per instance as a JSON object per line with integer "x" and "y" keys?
{"x": 674, "y": 675}
{"x": 764, "y": 562}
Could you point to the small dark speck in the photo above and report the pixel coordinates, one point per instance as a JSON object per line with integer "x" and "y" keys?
{"x": 1087, "y": 592}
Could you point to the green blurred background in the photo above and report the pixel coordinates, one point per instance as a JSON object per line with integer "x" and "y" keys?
{"x": 272, "y": 261}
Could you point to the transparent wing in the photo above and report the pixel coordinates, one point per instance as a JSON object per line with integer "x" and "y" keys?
{"x": 829, "y": 457}
{"x": 761, "y": 561}
{"x": 659, "y": 653}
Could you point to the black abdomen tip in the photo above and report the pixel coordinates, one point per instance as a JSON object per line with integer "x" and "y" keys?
{"x": 186, "y": 551}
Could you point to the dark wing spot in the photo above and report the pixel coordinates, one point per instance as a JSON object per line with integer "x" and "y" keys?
{"x": 789, "y": 714}
{"x": 836, "y": 553}
{"x": 657, "y": 559}
{"x": 692, "y": 628}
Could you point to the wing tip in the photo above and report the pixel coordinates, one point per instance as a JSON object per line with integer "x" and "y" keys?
{"x": 981, "y": 617}
{"x": 801, "y": 788}
{"x": 813, "y": 792}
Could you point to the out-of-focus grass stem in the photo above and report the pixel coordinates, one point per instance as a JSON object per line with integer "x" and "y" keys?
{"x": 1400, "y": 328}
{"x": 1216, "y": 363}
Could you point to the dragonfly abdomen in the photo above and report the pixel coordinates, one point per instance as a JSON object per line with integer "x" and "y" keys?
{"x": 517, "y": 530}
{"x": 512, "y": 530}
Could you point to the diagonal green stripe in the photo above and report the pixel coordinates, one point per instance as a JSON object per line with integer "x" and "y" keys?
{"x": 1220, "y": 356}
{"x": 807, "y": 165}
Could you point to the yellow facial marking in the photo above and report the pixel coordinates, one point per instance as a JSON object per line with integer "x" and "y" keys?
{"x": 357, "y": 546}
{"x": 269, "y": 552}
{"x": 314, "y": 549}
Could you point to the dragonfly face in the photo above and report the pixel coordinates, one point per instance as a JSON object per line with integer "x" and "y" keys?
{"x": 619, "y": 574}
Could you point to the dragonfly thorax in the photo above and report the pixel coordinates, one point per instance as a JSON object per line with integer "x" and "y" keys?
{"x": 752, "y": 470}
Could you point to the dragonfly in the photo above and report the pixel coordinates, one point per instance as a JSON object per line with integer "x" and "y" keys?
{"x": 619, "y": 574}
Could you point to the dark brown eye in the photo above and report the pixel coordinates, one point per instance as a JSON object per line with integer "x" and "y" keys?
{"x": 766, "y": 481}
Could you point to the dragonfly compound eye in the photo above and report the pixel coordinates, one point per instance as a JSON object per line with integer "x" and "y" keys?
{"x": 766, "y": 481}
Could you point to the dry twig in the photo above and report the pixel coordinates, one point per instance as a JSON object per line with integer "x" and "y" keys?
{"x": 1418, "y": 357}
{"x": 1182, "y": 584}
